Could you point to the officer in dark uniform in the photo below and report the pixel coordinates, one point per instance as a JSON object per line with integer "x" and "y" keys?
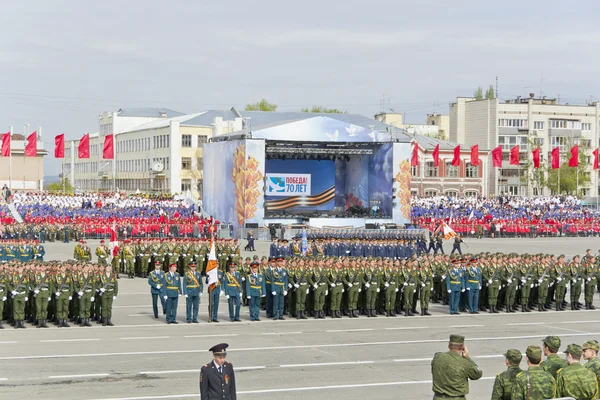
{"x": 217, "y": 380}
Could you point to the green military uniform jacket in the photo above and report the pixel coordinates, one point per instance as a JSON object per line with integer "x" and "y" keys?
{"x": 535, "y": 383}
{"x": 451, "y": 373}
{"x": 577, "y": 382}
{"x": 503, "y": 384}
{"x": 553, "y": 363}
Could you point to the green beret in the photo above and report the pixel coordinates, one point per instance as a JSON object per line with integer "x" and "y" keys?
{"x": 574, "y": 350}
{"x": 553, "y": 342}
{"x": 534, "y": 352}
{"x": 457, "y": 339}
{"x": 514, "y": 356}
{"x": 591, "y": 344}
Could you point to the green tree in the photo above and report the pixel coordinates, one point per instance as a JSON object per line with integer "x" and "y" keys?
{"x": 489, "y": 94}
{"x": 572, "y": 179}
{"x": 531, "y": 176}
{"x": 262, "y": 105}
{"x": 478, "y": 93}
{"x": 321, "y": 109}
{"x": 62, "y": 185}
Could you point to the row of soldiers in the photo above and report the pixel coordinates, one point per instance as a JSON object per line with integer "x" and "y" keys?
{"x": 21, "y": 250}
{"x": 55, "y": 291}
{"x": 46, "y": 232}
{"x": 366, "y": 234}
{"x": 384, "y": 248}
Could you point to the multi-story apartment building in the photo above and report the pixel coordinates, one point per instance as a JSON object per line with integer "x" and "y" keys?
{"x": 529, "y": 123}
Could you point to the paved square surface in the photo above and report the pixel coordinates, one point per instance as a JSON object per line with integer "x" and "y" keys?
{"x": 375, "y": 358}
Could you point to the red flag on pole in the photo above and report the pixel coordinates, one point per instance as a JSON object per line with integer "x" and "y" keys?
{"x": 83, "y": 151}
{"x": 595, "y": 153}
{"x": 475, "y": 155}
{"x": 6, "y": 145}
{"x": 59, "y": 146}
{"x": 514, "y": 155}
{"x": 31, "y": 145}
{"x": 536, "y": 157}
{"x": 574, "y": 160}
{"x": 436, "y": 156}
{"x": 414, "y": 160}
{"x": 108, "y": 152}
{"x": 555, "y": 158}
{"x": 497, "y": 157}
{"x": 456, "y": 159}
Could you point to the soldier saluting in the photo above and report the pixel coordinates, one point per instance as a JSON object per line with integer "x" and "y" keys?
{"x": 217, "y": 379}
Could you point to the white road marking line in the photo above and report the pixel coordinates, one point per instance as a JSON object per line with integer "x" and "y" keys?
{"x": 145, "y": 337}
{"x": 411, "y": 359}
{"x": 325, "y": 364}
{"x": 139, "y": 315}
{"x": 349, "y": 330}
{"x": 292, "y": 389}
{"x": 466, "y": 326}
{"x": 9, "y": 342}
{"x": 566, "y": 329}
{"x": 279, "y": 333}
{"x": 579, "y": 322}
{"x": 144, "y": 306}
{"x": 3, "y": 379}
{"x": 174, "y": 371}
{"x": 307, "y": 346}
{"x": 77, "y": 376}
{"x": 209, "y": 336}
{"x": 69, "y": 340}
{"x": 250, "y": 368}
{"x": 407, "y": 328}
{"x": 526, "y": 323}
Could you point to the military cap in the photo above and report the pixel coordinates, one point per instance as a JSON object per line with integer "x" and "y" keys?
{"x": 219, "y": 349}
{"x": 254, "y": 264}
{"x": 172, "y": 265}
{"x": 534, "y": 352}
{"x": 553, "y": 342}
{"x": 192, "y": 264}
{"x": 272, "y": 259}
{"x": 157, "y": 263}
{"x": 457, "y": 339}
{"x": 279, "y": 258}
{"x": 102, "y": 241}
{"x": 455, "y": 261}
{"x": 514, "y": 356}
{"x": 591, "y": 344}
{"x": 233, "y": 264}
{"x": 574, "y": 350}
{"x": 474, "y": 260}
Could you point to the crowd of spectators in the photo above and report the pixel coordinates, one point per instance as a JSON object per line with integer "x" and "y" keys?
{"x": 507, "y": 216}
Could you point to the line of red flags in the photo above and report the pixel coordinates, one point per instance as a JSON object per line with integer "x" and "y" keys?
{"x": 30, "y": 145}
{"x": 513, "y": 159}
{"x": 83, "y": 149}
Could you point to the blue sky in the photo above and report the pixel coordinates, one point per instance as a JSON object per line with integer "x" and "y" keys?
{"x": 64, "y": 62}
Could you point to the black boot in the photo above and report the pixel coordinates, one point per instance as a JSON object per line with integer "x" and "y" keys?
{"x": 491, "y": 311}
{"x": 422, "y": 311}
{"x": 23, "y": 324}
{"x": 508, "y": 308}
{"x": 374, "y": 313}
{"x": 573, "y": 306}
{"x": 104, "y": 322}
{"x": 558, "y": 306}
{"x": 316, "y": 315}
{"x": 356, "y": 314}
{"x": 523, "y": 308}
{"x": 1, "y": 326}
{"x": 44, "y": 325}
{"x": 322, "y": 314}
{"x": 38, "y": 324}
{"x": 387, "y": 313}
{"x": 17, "y": 324}
{"x": 406, "y": 313}
{"x": 426, "y": 312}
{"x": 338, "y": 314}
{"x": 592, "y": 306}
{"x": 65, "y": 324}
{"x": 110, "y": 323}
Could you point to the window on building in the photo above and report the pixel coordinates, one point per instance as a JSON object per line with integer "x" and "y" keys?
{"x": 564, "y": 124}
{"x": 202, "y": 139}
{"x": 431, "y": 193}
{"x": 471, "y": 193}
{"x": 414, "y": 170}
{"x": 513, "y": 123}
{"x": 538, "y": 125}
{"x": 452, "y": 193}
{"x": 472, "y": 171}
{"x": 431, "y": 170}
{"x": 586, "y": 126}
{"x": 186, "y": 140}
{"x": 451, "y": 172}
{"x": 186, "y": 184}
{"x": 186, "y": 163}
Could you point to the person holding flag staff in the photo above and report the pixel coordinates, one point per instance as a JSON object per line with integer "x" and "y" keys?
{"x": 213, "y": 280}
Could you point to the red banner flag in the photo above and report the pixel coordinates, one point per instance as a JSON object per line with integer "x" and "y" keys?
{"x": 514, "y": 155}
{"x": 59, "y": 146}
{"x": 31, "y": 145}
{"x": 108, "y": 152}
{"x": 436, "y": 156}
{"x": 595, "y": 153}
{"x": 83, "y": 151}
{"x": 456, "y": 159}
{"x": 475, "y": 155}
{"x": 555, "y": 158}
{"x": 536, "y": 157}
{"x": 497, "y": 157}
{"x": 6, "y": 145}
{"x": 574, "y": 160}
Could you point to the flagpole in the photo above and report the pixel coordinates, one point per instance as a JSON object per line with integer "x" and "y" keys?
{"x": 10, "y": 133}
{"x": 37, "y": 159}
{"x": 210, "y": 304}
{"x": 577, "y": 183}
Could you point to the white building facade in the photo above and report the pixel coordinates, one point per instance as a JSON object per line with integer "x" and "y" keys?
{"x": 529, "y": 123}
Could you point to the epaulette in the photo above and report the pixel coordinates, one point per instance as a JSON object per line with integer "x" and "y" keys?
{"x": 517, "y": 374}
{"x": 500, "y": 373}
{"x": 557, "y": 372}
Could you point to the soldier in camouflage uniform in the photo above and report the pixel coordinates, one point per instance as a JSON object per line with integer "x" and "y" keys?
{"x": 453, "y": 385}
{"x": 574, "y": 380}
{"x": 505, "y": 380}
{"x": 553, "y": 362}
{"x": 535, "y": 383}
{"x": 589, "y": 274}
{"x": 590, "y": 353}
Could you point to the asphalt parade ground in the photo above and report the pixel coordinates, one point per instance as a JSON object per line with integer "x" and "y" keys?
{"x": 376, "y": 358}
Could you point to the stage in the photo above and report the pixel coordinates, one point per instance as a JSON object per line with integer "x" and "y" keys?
{"x": 317, "y": 172}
